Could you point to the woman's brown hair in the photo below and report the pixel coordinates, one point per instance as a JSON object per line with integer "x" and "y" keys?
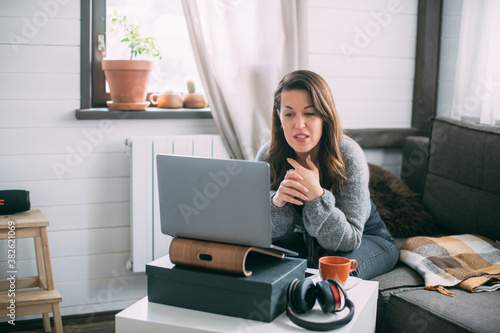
{"x": 331, "y": 164}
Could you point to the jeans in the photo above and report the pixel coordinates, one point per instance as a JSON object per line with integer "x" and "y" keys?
{"x": 377, "y": 254}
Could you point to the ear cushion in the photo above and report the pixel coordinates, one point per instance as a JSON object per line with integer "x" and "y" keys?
{"x": 303, "y": 295}
{"x": 331, "y": 296}
{"x": 325, "y": 297}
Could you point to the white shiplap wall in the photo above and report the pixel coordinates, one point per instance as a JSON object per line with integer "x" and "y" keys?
{"x": 452, "y": 17}
{"x": 87, "y": 203}
{"x": 365, "y": 50}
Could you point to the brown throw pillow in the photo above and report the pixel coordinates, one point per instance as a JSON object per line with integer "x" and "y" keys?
{"x": 403, "y": 215}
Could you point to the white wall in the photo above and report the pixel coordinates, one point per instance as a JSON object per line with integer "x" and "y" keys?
{"x": 452, "y": 16}
{"x": 87, "y": 203}
{"x": 366, "y": 52}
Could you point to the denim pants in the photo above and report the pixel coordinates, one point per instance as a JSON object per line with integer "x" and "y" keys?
{"x": 377, "y": 254}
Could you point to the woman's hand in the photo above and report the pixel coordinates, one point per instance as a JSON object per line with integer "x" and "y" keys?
{"x": 300, "y": 184}
{"x": 310, "y": 177}
{"x": 291, "y": 190}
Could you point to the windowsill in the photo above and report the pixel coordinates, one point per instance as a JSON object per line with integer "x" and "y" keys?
{"x": 149, "y": 113}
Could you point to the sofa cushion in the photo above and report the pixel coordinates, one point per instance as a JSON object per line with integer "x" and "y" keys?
{"x": 429, "y": 311}
{"x": 414, "y": 163}
{"x": 402, "y": 278}
{"x": 399, "y": 279}
{"x": 462, "y": 185}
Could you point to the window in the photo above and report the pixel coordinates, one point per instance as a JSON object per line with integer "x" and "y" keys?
{"x": 163, "y": 19}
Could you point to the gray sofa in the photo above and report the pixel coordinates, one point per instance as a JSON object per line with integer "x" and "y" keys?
{"x": 456, "y": 175}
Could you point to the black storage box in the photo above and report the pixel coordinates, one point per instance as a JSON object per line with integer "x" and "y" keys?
{"x": 261, "y": 296}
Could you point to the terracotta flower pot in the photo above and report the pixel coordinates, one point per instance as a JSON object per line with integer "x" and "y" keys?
{"x": 194, "y": 101}
{"x": 127, "y": 81}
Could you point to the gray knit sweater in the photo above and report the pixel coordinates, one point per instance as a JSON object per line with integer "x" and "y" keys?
{"x": 337, "y": 218}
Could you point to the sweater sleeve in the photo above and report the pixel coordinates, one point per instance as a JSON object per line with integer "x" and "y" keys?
{"x": 281, "y": 217}
{"x": 337, "y": 218}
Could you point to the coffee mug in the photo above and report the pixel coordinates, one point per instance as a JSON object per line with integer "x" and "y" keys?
{"x": 166, "y": 101}
{"x": 337, "y": 268}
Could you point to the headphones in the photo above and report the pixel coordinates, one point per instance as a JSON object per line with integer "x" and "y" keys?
{"x": 331, "y": 296}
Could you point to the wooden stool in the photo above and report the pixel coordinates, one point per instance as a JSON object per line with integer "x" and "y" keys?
{"x": 41, "y": 296}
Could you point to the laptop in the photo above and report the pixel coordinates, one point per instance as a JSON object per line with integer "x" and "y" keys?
{"x": 216, "y": 200}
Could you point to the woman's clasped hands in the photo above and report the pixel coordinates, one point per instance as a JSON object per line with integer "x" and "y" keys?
{"x": 300, "y": 184}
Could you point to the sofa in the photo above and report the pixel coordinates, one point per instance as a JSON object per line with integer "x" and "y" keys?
{"x": 454, "y": 180}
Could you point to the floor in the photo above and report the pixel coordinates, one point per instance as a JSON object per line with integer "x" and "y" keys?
{"x": 95, "y": 323}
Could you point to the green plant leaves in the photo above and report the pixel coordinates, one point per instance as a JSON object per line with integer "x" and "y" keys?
{"x": 137, "y": 43}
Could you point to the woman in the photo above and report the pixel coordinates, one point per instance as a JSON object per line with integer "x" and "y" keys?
{"x": 319, "y": 181}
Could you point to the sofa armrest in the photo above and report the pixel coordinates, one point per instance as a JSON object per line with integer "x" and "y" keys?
{"x": 414, "y": 164}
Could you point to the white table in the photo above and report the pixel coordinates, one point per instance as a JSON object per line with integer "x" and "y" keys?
{"x": 145, "y": 317}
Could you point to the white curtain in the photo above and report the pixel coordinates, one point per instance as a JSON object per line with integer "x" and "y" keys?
{"x": 477, "y": 82}
{"x": 242, "y": 50}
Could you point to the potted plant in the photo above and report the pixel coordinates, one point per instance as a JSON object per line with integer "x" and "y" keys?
{"x": 192, "y": 100}
{"x": 128, "y": 79}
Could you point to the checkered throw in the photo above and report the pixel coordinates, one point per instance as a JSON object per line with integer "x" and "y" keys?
{"x": 472, "y": 262}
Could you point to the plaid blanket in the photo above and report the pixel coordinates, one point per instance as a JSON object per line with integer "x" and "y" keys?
{"x": 472, "y": 262}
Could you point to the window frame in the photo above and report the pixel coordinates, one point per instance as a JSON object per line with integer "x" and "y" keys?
{"x": 93, "y": 24}
{"x": 425, "y": 88}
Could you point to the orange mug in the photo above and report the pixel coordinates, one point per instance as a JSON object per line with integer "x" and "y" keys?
{"x": 337, "y": 268}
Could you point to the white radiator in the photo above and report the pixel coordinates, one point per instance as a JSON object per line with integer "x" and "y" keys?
{"x": 148, "y": 243}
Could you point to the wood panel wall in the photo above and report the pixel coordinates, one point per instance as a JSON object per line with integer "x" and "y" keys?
{"x": 366, "y": 52}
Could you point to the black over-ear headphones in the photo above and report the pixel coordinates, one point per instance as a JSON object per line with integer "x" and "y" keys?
{"x": 331, "y": 296}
